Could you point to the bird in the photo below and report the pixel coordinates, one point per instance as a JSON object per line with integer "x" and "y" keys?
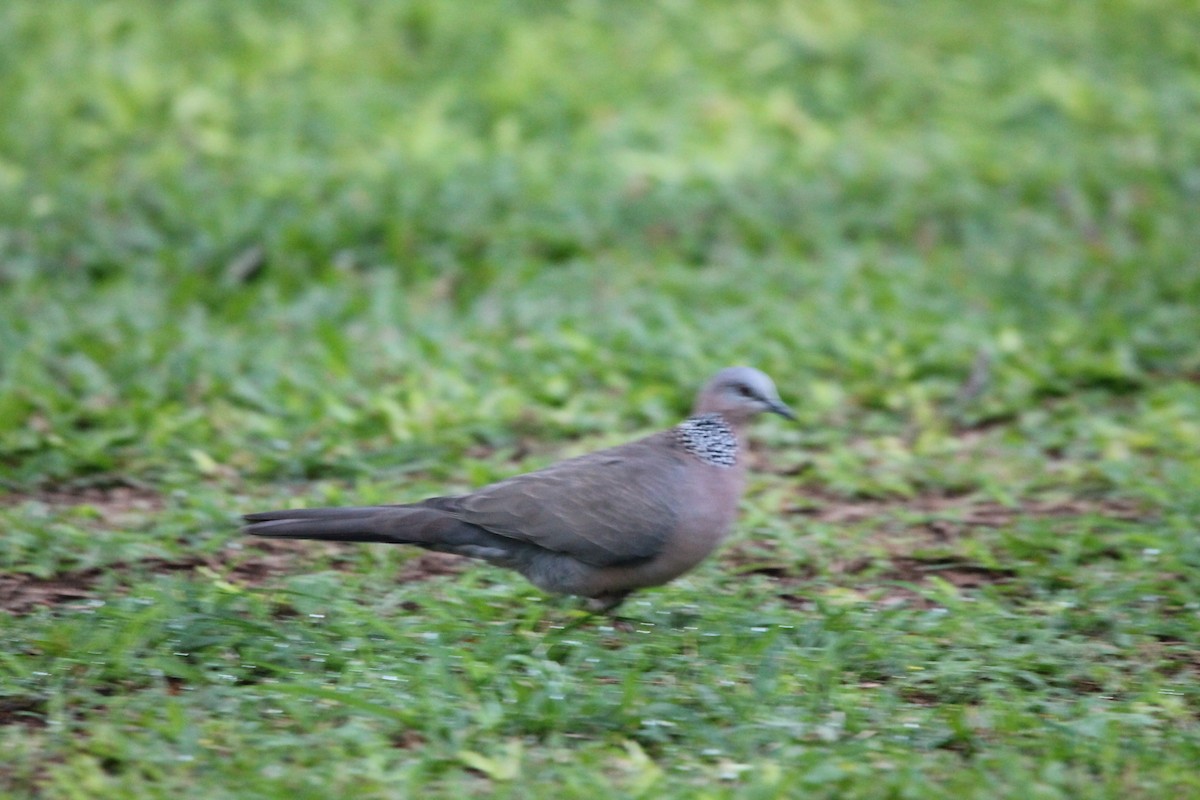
{"x": 598, "y": 526}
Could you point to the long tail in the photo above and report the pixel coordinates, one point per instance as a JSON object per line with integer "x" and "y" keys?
{"x": 415, "y": 524}
{"x": 355, "y": 524}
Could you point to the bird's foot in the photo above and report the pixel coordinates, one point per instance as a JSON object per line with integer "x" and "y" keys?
{"x": 603, "y": 604}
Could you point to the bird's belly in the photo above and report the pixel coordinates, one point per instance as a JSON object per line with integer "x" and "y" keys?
{"x": 704, "y": 522}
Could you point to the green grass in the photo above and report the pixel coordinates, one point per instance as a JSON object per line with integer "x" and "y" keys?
{"x": 330, "y": 253}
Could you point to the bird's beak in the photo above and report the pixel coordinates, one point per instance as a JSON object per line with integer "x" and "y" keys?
{"x": 777, "y": 407}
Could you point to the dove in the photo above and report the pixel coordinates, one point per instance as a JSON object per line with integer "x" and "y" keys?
{"x": 598, "y": 526}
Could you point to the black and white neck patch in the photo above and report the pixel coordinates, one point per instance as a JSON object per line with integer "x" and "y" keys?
{"x": 709, "y": 438}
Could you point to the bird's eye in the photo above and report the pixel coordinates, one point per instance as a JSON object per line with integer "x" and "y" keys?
{"x": 744, "y": 391}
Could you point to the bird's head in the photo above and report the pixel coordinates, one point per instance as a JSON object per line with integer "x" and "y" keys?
{"x": 739, "y": 393}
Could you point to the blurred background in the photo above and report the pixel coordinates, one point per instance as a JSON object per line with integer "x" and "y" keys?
{"x": 224, "y": 222}
{"x": 260, "y": 253}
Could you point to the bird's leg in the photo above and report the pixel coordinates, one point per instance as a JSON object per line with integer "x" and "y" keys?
{"x": 598, "y": 606}
{"x": 602, "y": 604}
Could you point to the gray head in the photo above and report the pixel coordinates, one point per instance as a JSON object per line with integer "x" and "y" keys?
{"x": 739, "y": 393}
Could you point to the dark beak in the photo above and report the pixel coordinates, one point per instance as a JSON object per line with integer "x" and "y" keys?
{"x": 777, "y": 407}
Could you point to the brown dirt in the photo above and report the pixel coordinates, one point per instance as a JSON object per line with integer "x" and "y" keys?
{"x": 113, "y": 504}
{"x": 20, "y": 594}
{"x": 960, "y": 574}
{"x": 252, "y": 562}
{"x": 953, "y": 571}
{"x": 256, "y": 563}
{"x": 26, "y": 711}
{"x": 958, "y": 513}
{"x": 902, "y": 526}
{"x": 761, "y": 557}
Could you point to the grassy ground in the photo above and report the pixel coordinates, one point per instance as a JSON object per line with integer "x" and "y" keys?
{"x": 333, "y": 253}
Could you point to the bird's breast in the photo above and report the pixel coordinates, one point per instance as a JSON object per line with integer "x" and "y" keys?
{"x": 707, "y": 510}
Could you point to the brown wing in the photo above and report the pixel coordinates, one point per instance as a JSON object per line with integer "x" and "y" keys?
{"x": 604, "y": 508}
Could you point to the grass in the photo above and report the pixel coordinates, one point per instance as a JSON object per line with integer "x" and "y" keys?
{"x": 253, "y": 255}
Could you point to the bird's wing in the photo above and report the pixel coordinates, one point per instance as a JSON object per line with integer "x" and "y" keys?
{"x": 605, "y": 508}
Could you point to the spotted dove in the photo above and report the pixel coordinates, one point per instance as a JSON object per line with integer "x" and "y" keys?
{"x": 600, "y": 525}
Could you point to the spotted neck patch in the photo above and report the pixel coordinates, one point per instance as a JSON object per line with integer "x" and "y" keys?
{"x": 709, "y": 438}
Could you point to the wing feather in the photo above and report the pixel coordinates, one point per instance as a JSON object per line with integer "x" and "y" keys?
{"x": 605, "y": 508}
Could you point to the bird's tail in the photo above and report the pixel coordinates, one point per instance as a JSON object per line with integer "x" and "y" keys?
{"x": 418, "y": 525}
{"x": 392, "y": 524}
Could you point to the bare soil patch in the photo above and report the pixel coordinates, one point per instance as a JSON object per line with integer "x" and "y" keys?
{"x": 956, "y": 514}
{"x": 904, "y": 527}
{"x": 20, "y": 710}
{"x": 113, "y": 504}
{"x": 20, "y": 593}
{"x": 249, "y": 562}
{"x": 254, "y": 563}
